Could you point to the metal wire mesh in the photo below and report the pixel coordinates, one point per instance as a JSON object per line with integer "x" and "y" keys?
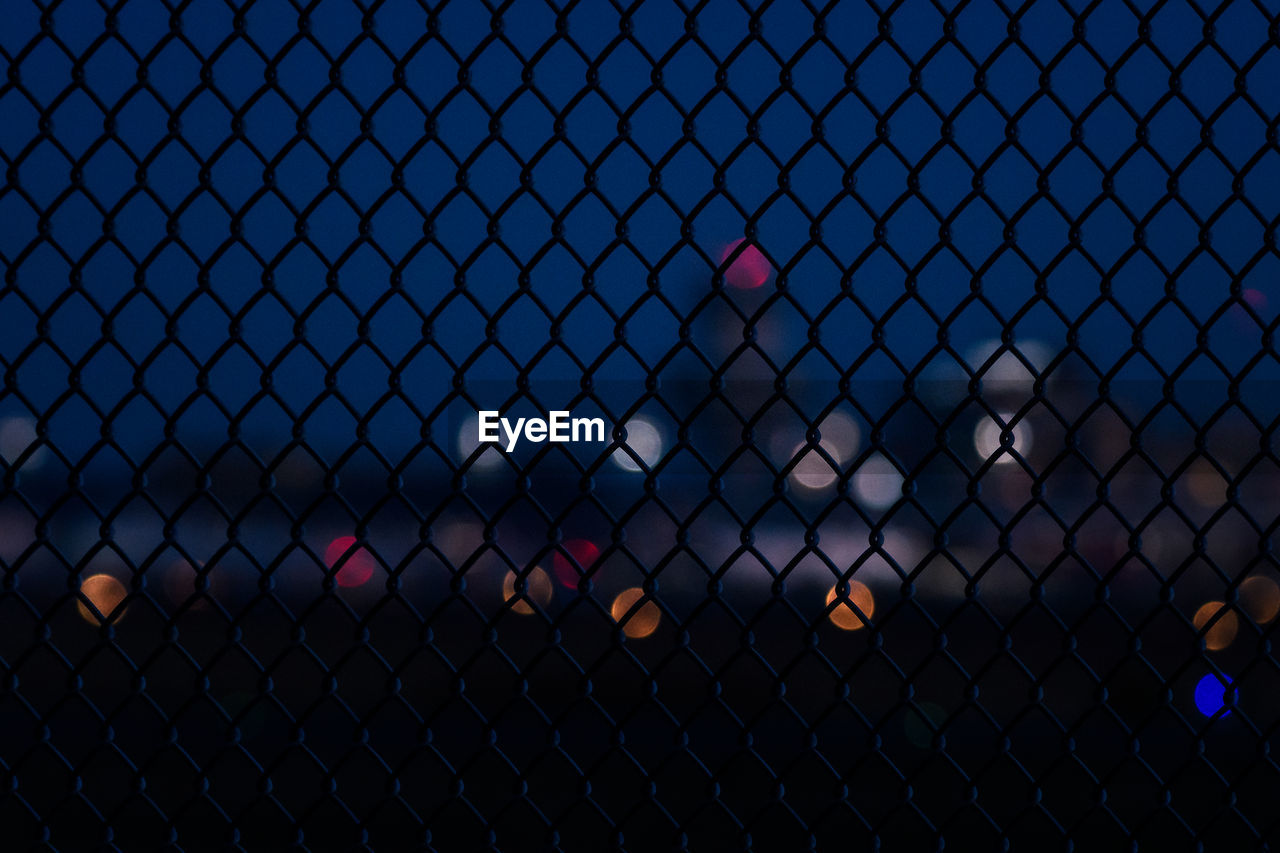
{"x": 936, "y": 345}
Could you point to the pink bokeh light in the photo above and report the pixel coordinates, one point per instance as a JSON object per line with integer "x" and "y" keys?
{"x": 584, "y": 553}
{"x": 749, "y": 269}
{"x": 358, "y": 565}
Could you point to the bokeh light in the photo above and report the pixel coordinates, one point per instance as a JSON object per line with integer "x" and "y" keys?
{"x": 844, "y": 616}
{"x": 1009, "y": 370}
{"x": 569, "y": 571}
{"x": 877, "y": 484}
{"x": 355, "y": 565}
{"x": 840, "y": 439}
{"x": 645, "y": 441}
{"x": 749, "y": 270}
{"x": 104, "y": 595}
{"x": 469, "y": 439}
{"x": 986, "y": 438}
{"x": 637, "y": 623}
{"x": 813, "y": 471}
{"x": 1260, "y": 598}
{"x": 1205, "y": 484}
{"x": 840, "y": 435}
{"x": 537, "y": 591}
{"x": 1211, "y": 696}
{"x": 1222, "y": 631}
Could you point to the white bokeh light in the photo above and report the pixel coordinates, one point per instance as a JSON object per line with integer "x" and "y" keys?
{"x": 645, "y": 440}
{"x": 840, "y": 440}
{"x": 840, "y": 436}
{"x": 986, "y": 438}
{"x": 1009, "y": 370}
{"x": 469, "y": 440}
{"x": 877, "y": 484}
{"x": 813, "y": 471}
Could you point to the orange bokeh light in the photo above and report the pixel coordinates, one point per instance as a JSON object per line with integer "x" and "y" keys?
{"x": 1261, "y": 598}
{"x": 844, "y": 616}
{"x": 537, "y": 590}
{"x": 1222, "y": 631}
{"x": 639, "y": 621}
{"x": 104, "y": 595}
{"x": 584, "y": 554}
{"x": 355, "y": 565}
{"x": 749, "y": 269}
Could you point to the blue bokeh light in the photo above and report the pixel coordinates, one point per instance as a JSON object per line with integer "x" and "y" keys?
{"x": 1211, "y": 696}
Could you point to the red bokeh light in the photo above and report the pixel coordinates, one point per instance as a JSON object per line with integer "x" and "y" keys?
{"x": 749, "y": 269}
{"x": 358, "y": 565}
{"x": 1255, "y": 298}
{"x": 584, "y": 553}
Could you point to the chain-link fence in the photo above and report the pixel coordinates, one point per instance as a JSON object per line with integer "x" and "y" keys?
{"x": 934, "y": 345}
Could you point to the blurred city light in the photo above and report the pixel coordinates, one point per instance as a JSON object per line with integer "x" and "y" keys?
{"x": 537, "y": 590}
{"x": 854, "y": 610}
{"x": 749, "y": 269}
{"x": 645, "y": 440}
{"x": 469, "y": 440}
{"x": 637, "y": 623}
{"x": 840, "y": 439}
{"x": 813, "y": 471}
{"x": 1211, "y": 695}
{"x": 841, "y": 435}
{"x": 1206, "y": 484}
{"x": 877, "y": 484}
{"x": 1010, "y": 370}
{"x": 1221, "y": 632}
{"x": 569, "y": 571}
{"x": 104, "y": 594}
{"x": 986, "y": 438}
{"x": 1261, "y": 598}
{"x": 462, "y": 541}
{"x": 355, "y": 565}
